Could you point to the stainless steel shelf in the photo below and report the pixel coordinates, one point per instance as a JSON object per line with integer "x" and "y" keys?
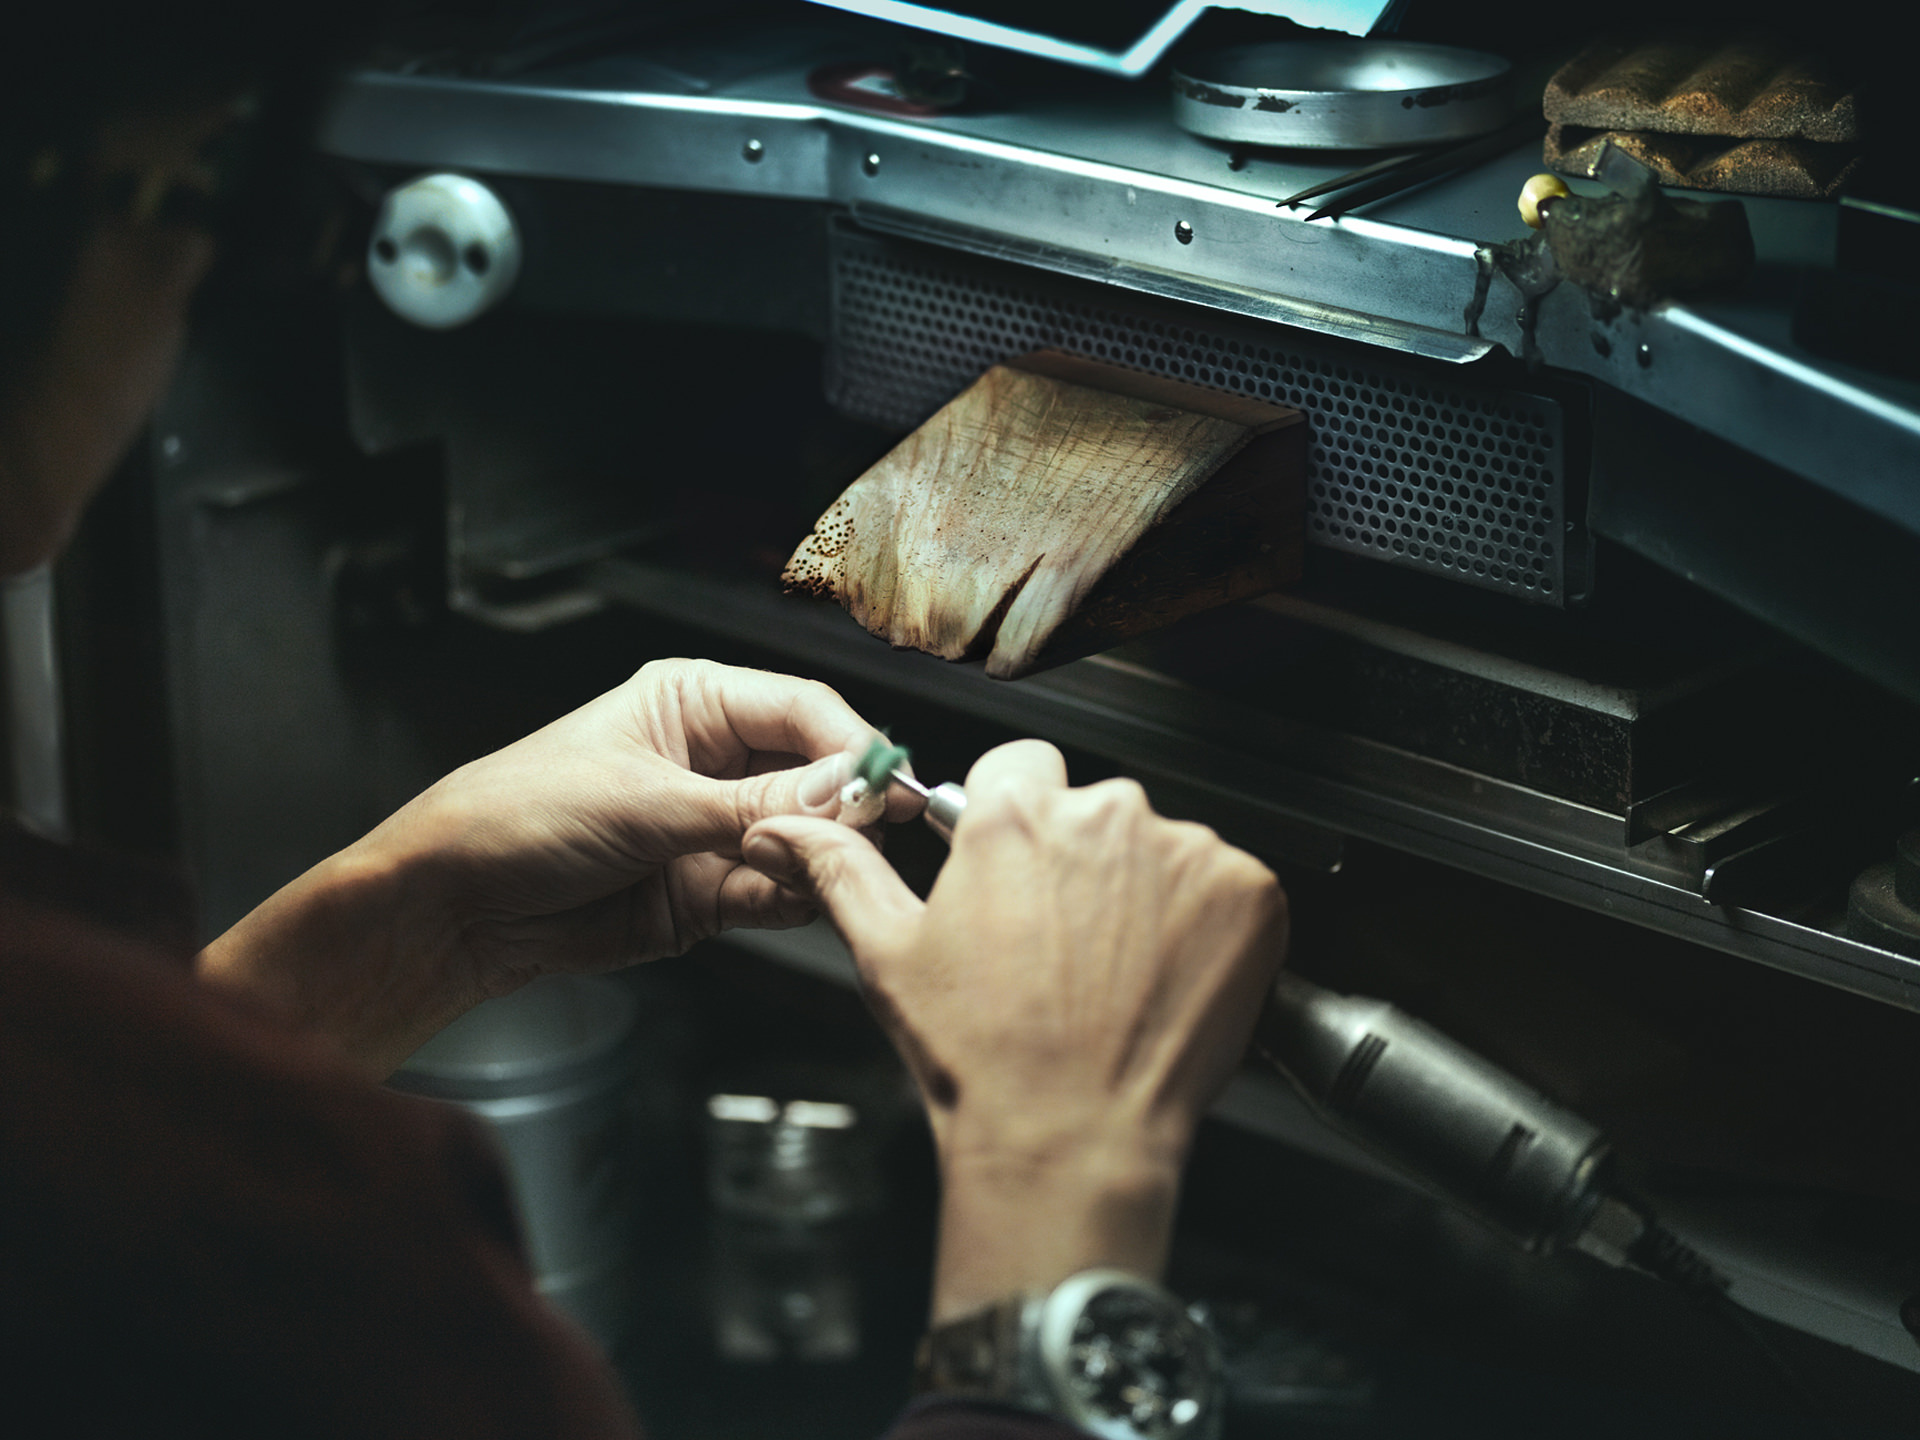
{"x": 1097, "y": 181}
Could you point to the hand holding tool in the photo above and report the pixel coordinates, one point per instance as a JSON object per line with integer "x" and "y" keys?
{"x": 1462, "y": 1126}
{"x": 1456, "y": 1124}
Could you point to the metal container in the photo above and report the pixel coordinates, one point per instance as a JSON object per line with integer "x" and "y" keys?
{"x": 1342, "y": 94}
{"x": 786, "y": 1181}
{"x": 550, "y": 1071}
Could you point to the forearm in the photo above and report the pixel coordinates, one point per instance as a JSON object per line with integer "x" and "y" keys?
{"x": 1024, "y": 1222}
{"x": 354, "y": 950}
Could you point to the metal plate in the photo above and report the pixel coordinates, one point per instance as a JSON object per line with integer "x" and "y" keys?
{"x": 1414, "y": 467}
{"x": 980, "y": 23}
{"x": 1342, "y": 94}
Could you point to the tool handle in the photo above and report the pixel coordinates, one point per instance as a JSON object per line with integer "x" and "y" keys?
{"x": 945, "y": 805}
{"x": 1439, "y": 1111}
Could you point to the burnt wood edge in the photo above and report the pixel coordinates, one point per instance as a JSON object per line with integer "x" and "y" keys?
{"x": 1241, "y": 534}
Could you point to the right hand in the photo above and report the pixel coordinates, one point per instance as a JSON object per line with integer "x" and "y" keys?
{"x": 1077, "y": 988}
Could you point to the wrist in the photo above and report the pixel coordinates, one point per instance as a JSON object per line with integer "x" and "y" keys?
{"x": 1018, "y": 1221}
{"x": 355, "y": 950}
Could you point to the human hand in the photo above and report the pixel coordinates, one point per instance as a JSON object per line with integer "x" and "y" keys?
{"x": 613, "y": 835}
{"x": 609, "y": 837}
{"x": 1076, "y": 989}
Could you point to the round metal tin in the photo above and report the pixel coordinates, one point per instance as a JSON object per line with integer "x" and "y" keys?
{"x": 1342, "y": 94}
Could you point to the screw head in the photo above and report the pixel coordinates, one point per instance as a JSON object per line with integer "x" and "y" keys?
{"x": 753, "y": 152}
{"x": 871, "y": 164}
{"x": 1183, "y": 232}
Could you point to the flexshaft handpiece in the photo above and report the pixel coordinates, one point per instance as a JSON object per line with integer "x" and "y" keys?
{"x": 1434, "y": 1108}
{"x": 1466, "y": 1129}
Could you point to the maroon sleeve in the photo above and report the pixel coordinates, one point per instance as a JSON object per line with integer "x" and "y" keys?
{"x": 210, "y": 1226}
{"x": 940, "y": 1417}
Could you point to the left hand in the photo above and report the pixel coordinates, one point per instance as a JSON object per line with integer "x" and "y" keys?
{"x": 611, "y": 836}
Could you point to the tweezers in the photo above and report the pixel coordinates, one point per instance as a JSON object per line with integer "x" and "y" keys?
{"x": 1402, "y": 172}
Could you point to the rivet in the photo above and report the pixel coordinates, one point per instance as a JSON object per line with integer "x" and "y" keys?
{"x": 1644, "y": 354}
{"x": 871, "y": 164}
{"x": 753, "y": 152}
{"x": 1183, "y": 232}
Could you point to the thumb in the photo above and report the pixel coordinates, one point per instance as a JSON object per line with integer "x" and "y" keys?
{"x": 716, "y": 814}
{"x": 867, "y": 901}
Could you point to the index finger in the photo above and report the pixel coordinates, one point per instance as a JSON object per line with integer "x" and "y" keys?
{"x": 1018, "y": 767}
{"x": 729, "y": 711}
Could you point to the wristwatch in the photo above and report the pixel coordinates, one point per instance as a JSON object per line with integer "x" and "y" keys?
{"x": 1105, "y": 1350}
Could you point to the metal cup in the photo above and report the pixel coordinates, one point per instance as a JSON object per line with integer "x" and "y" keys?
{"x": 549, "y": 1070}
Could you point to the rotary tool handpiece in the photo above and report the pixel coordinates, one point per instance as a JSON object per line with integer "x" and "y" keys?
{"x": 1470, "y": 1132}
{"x": 945, "y": 804}
{"x": 1436, "y": 1110}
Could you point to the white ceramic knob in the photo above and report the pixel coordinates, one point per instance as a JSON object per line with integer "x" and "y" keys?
{"x": 444, "y": 251}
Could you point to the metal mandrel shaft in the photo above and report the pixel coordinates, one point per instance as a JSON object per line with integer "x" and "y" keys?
{"x": 945, "y": 804}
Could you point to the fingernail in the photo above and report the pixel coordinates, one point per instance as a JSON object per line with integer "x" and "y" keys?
{"x": 771, "y": 856}
{"x": 824, "y": 778}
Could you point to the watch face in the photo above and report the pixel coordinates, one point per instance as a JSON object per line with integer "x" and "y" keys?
{"x": 1136, "y": 1365}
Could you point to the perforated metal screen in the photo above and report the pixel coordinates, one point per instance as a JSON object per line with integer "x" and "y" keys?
{"x": 1458, "y": 481}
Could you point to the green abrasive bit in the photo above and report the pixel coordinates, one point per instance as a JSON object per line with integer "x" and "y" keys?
{"x": 881, "y": 759}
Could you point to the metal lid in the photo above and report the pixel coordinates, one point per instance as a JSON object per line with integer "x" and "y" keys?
{"x": 1342, "y": 94}
{"x": 545, "y": 1034}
